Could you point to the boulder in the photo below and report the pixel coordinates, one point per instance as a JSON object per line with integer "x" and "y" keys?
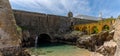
{"x": 110, "y": 36}
{"x": 102, "y": 37}
{"x": 108, "y": 49}
{"x": 94, "y": 41}
{"x": 73, "y": 36}
{"x": 27, "y": 40}
{"x": 69, "y": 38}
{"x": 23, "y": 52}
{"x": 1, "y": 54}
{"x": 86, "y": 42}
{"x": 95, "y": 54}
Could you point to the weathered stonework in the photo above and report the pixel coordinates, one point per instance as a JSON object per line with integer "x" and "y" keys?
{"x": 39, "y": 23}
{"x": 8, "y": 31}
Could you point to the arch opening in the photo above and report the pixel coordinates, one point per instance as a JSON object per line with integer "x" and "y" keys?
{"x": 84, "y": 30}
{"x": 94, "y": 30}
{"x": 105, "y": 28}
{"x": 77, "y": 29}
{"x": 43, "y": 39}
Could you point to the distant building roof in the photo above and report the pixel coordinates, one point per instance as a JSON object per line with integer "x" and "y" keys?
{"x": 87, "y": 17}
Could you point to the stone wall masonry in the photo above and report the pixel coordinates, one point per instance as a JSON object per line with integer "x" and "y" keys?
{"x": 8, "y": 31}
{"x": 39, "y": 23}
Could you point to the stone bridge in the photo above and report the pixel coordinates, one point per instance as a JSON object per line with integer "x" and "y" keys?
{"x": 91, "y": 28}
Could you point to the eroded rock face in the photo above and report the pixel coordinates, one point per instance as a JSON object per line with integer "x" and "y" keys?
{"x": 94, "y": 41}
{"x": 108, "y": 48}
{"x": 27, "y": 41}
{"x": 9, "y": 36}
{"x": 117, "y": 36}
{"x": 96, "y": 54}
{"x": 23, "y": 52}
{"x": 69, "y": 38}
{"x": 86, "y": 42}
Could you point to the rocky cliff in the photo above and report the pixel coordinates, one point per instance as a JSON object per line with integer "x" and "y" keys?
{"x": 117, "y": 36}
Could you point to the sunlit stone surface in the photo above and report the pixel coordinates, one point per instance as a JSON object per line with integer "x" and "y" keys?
{"x": 117, "y": 36}
{"x": 9, "y": 36}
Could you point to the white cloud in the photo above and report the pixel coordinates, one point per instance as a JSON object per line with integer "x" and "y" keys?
{"x": 59, "y": 7}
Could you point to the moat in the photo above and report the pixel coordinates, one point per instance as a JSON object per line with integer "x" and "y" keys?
{"x": 27, "y": 33}
{"x": 59, "y": 50}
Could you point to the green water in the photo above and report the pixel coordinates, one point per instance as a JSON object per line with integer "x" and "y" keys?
{"x": 59, "y": 50}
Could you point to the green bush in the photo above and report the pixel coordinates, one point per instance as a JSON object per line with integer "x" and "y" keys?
{"x": 106, "y": 28}
{"x": 19, "y": 28}
{"x": 95, "y": 30}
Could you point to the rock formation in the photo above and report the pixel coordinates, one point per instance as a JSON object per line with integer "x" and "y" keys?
{"x": 108, "y": 48}
{"x": 117, "y": 36}
{"x": 94, "y": 41}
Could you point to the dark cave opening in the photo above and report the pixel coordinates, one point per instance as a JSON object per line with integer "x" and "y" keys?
{"x": 43, "y": 39}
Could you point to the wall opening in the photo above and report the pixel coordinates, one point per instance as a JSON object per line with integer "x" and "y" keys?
{"x": 77, "y": 28}
{"x": 84, "y": 30}
{"x": 43, "y": 39}
{"x": 105, "y": 28}
{"x": 94, "y": 30}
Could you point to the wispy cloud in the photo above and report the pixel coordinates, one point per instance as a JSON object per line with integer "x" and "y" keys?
{"x": 59, "y": 7}
{"x": 62, "y": 7}
{"x": 111, "y": 8}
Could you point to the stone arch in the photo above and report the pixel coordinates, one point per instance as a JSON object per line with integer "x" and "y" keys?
{"x": 77, "y": 28}
{"x": 94, "y": 29}
{"x": 105, "y": 27}
{"x": 43, "y": 39}
{"x": 84, "y": 30}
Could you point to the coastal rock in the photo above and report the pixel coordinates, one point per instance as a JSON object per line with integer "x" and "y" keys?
{"x": 73, "y": 36}
{"x": 10, "y": 51}
{"x": 102, "y": 37}
{"x": 94, "y": 41}
{"x": 23, "y": 52}
{"x": 108, "y": 49}
{"x": 117, "y": 36}
{"x": 86, "y": 42}
{"x": 1, "y": 54}
{"x": 69, "y": 38}
{"x": 96, "y": 54}
{"x": 27, "y": 41}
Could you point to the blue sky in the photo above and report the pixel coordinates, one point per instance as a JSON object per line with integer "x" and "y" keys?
{"x": 62, "y": 7}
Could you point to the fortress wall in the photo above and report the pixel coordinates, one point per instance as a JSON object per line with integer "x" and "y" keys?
{"x": 41, "y": 23}
{"x": 8, "y": 29}
{"x": 38, "y": 23}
